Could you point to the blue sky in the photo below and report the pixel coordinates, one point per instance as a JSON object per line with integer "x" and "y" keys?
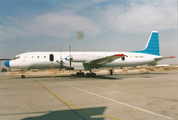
{"x": 108, "y": 25}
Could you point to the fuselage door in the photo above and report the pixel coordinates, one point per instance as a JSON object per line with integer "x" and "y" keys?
{"x": 51, "y": 57}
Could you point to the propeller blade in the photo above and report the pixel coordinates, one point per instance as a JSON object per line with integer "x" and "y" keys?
{"x": 70, "y": 50}
{"x": 61, "y": 61}
{"x": 52, "y": 70}
{"x": 70, "y": 55}
{"x": 61, "y": 54}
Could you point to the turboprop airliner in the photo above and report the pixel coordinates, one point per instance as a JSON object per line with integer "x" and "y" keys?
{"x": 88, "y": 60}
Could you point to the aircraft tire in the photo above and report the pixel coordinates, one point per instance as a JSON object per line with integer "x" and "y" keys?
{"x": 91, "y": 75}
{"x": 88, "y": 75}
{"x": 80, "y": 74}
{"x": 22, "y": 76}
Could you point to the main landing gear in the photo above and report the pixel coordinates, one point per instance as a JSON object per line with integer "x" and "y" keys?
{"x": 81, "y": 74}
{"x": 111, "y": 72}
{"x": 91, "y": 75}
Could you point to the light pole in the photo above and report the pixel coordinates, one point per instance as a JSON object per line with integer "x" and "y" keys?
{"x": 80, "y": 36}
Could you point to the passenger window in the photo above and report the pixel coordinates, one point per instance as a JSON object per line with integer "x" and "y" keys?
{"x": 44, "y": 56}
{"x": 38, "y": 56}
{"x": 51, "y": 57}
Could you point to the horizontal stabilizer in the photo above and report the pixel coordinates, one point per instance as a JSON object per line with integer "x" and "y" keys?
{"x": 157, "y": 59}
{"x": 5, "y": 59}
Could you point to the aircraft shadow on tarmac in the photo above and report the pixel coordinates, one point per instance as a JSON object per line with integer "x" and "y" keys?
{"x": 79, "y": 114}
{"x": 106, "y": 77}
{"x": 75, "y": 77}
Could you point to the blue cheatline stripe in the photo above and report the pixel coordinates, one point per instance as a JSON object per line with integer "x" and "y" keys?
{"x": 152, "y": 46}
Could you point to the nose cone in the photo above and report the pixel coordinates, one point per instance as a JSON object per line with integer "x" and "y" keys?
{"x": 7, "y": 64}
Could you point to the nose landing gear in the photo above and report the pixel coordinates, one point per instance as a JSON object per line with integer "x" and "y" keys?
{"x": 22, "y": 76}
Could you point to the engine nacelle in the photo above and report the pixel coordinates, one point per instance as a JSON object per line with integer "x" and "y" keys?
{"x": 77, "y": 58}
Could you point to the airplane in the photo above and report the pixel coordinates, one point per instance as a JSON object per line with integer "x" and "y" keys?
{"x": 88, "y": 60}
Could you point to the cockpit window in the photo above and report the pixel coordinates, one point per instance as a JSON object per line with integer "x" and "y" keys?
{"x": 17, "y": 57}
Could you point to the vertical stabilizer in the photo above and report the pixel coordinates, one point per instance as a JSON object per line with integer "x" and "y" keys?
{"x": 152, "y": 46}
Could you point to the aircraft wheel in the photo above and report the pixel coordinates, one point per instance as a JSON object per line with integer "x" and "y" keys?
{"x": 80, "y": 74}
{"x": 93, "y": 74}
{"x": 90, "y": 75}
{"x": 23, "y": 76}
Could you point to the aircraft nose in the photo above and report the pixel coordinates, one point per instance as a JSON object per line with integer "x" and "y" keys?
{"x": 7, "y": 63}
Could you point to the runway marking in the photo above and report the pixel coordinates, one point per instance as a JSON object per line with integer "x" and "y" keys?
{"x": 75, "y": 108}
{"x": 144, "y": 110}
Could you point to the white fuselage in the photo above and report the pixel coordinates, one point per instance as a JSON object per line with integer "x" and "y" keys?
{"x": 41, "y": 60}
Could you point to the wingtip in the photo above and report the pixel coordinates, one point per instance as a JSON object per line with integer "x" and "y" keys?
{"x": 172, "y": 57}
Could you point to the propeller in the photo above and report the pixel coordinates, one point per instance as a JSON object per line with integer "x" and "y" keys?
{"x": 70, "y": 59}
{"x": 61, "y": 61}
{"x": 70, "y": 56}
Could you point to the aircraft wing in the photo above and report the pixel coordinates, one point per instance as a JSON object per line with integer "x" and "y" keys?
{"x": 105, "y": 60}
{"x": 5, "y": 59}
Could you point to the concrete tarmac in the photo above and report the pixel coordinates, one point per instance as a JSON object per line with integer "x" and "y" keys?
{"x": 127, "y": 96}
